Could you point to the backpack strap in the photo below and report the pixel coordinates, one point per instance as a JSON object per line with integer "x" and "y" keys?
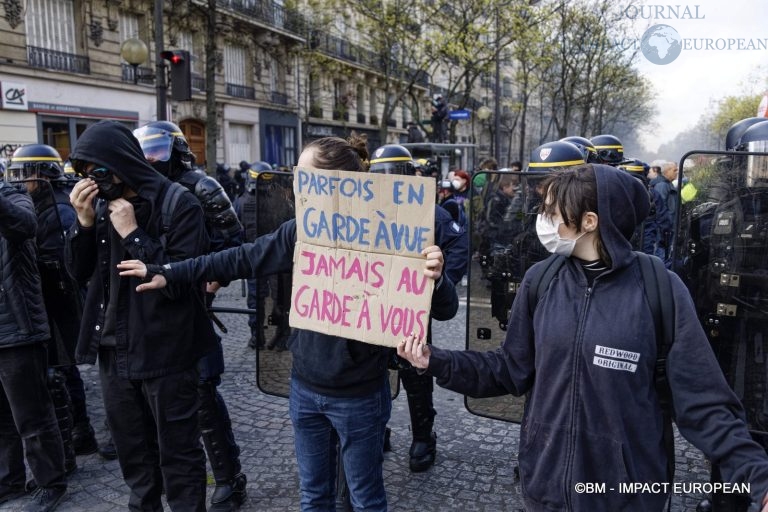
{"x": 541, "y": 279}
{"x": 658, "y": 290}
{"x": 170, "y": 200}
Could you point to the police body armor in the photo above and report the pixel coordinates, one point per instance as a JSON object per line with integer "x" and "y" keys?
{"x": 220, "y": 218}
{"x": 722, "y": 255}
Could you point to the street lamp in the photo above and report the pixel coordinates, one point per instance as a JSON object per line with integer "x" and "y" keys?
{"x": 135, "y": 52}
{"x": 483, "y": 113}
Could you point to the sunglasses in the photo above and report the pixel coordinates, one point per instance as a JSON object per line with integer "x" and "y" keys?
{"x": 96, "y": 174}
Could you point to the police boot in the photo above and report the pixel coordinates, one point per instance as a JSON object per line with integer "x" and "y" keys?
{"x": 424, "y": 445}
{"x": 257, "y": 338}
{"x": 223, "y": 453}
{"x": 63, "y": 409}
{"x": 229, "y": 495}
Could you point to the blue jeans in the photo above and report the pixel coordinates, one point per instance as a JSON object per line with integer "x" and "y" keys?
{"x": 360, "y": 424}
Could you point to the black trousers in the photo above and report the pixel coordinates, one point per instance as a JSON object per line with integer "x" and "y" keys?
{"x": 155, "y": 430}
{"x": 27, "y": 416}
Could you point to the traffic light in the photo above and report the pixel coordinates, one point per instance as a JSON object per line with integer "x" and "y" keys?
{"x": 181, "y": 80}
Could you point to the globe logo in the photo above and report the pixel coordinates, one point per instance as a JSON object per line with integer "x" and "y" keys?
{"x": 661, "y": 44}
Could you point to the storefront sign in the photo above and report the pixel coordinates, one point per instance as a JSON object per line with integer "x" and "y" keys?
{"x": 14, "y": 96}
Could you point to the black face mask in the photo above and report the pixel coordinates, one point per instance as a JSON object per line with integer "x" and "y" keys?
{"x": 108, "y": 190}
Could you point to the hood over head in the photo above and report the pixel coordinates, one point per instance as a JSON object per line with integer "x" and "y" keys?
{"x": 112, "y": 145}
{"x": 623, "y": 203}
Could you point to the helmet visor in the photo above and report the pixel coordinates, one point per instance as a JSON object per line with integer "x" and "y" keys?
{"x": 21, "y": 172}
{"x": 155, "y": 143}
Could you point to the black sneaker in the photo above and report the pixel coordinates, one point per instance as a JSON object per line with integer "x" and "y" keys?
{"x": 83, "y": 439}
{"x": 11, "y": 493}
{"x": 45, "y": 499}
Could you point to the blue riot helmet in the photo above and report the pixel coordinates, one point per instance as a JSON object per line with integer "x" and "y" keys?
{"x": 555, "y": 156}
{"x": 252, "y": 180}
{"x": 634, "y": 165}
{"x": 165, "y": 148}
{"x": 392, "y": 159}
{"x": 34, "y": 161}
{"x": 585, "y": 145}
{"x": 737, "y": 130}
{"x": 609, "y": 148}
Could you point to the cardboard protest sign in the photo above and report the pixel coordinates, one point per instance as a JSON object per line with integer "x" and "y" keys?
{"x": 358, "y": 271}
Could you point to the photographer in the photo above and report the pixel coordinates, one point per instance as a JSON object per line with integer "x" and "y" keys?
{"x": 439, "y": 113}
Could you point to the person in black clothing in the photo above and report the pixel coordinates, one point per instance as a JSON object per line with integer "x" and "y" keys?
{"x": 167, "y": 150}
{"x": 38, "y": 168}
{"x": 148, "y": 345}
{"x": 439, "y": 114}
{"x": 337, "y": 384}
{"x": 26, "y": 410}
{"x": 228, "y": 183}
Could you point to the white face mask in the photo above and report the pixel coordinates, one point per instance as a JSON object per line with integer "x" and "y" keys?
{"x": 456, "y": 184}
{"x": 550, "y": 238}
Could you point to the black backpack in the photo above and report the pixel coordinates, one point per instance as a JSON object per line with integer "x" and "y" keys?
{"x": 658, "y": 293}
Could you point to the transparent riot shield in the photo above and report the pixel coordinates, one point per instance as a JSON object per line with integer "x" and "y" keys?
{"x": 504, "y": 245}
{"x": 721, "y": 253}
{"x": 269, "y": 299}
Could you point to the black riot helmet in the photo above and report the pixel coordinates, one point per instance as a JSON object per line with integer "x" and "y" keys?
{"x": 252, "y": 181}
{"x": 555, "y": 156}
{"x": 392, "y": 159}
{"x": 165, "y": 148}
{"x": 35, "y": 161}
{"x": 585, "y": 145}
{"x": 609, "y": 148}
{"x": 737, "y": 129}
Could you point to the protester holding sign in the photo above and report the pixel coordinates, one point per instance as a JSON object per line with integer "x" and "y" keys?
{"x": 338, "y": 382}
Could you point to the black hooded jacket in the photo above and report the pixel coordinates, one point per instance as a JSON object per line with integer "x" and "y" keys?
{"x": 586, "y": 358}
{"x": 154, "y": 331}
{"x": 22, "y": 313}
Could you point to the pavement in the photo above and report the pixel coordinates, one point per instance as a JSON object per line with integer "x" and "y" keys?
{"x": 474, "y": 470}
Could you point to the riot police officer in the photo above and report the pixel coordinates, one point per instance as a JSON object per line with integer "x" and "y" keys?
{"x": 262, "y": 207}
{"x": 588, "y": 149}
{"x": 454, "y": 242}
{"x": 39, "y": 168}
{"x": 167, "y": 150}
{"x": 610, "y": 150}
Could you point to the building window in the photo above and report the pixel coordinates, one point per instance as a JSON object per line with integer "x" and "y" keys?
{"x": 237, "y": 72}
{"x": 51, "y": 25}
{"x": 279, "y": 145}
{"x": 234, "y": 65}
{"x": 239, "y": 142}
{"x": 373, "y": 107}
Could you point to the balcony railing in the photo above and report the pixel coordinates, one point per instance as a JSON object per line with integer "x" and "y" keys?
{"x": 279, "y": 98}
{"x": 241, "y": 91}
{"x": 145, "y": 75}
{"x": 60, "y": 61}
{"x": 342, "y": 49}
{"x": 270, "y": 13}
{"x": 198, "y": 83}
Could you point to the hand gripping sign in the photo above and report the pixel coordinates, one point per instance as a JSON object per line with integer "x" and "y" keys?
{"x": 357, "y": 266}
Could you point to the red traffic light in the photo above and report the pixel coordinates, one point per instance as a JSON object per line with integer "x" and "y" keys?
{"x": 174, "y": 56}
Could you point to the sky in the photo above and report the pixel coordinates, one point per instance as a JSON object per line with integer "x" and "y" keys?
{"x": 693, "y": 83}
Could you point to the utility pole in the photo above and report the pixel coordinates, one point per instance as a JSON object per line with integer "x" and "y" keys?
{"x": 497, "y": 94}
{"x": 160, "y": 85}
